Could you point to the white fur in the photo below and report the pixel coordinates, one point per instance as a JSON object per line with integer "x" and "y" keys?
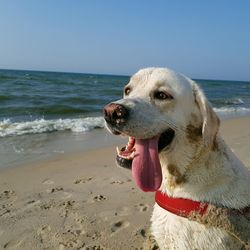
{"x": 212, "y": 172}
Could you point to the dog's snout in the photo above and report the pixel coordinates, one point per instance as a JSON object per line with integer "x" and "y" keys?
{"x": 115, "y": 114}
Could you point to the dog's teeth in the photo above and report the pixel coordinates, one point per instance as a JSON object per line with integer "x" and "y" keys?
{"x": 117, "y": 150}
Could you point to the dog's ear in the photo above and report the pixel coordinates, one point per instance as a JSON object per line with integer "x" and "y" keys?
{"x": 210, "y": 120}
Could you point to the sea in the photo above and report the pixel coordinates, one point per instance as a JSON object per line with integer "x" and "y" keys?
{"x": 43, "y": 114}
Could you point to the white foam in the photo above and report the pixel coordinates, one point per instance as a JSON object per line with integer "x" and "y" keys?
{"x": 239, "y": 101}
{"x": 235, "y": 101}
{"x": 9, "y": 128}
{"x": 232, "y": 111}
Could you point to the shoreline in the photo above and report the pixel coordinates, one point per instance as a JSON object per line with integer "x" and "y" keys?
{"x": 70, "y": 143}
{"x": 49, "y": 146}
{"x": 82, "y": 200}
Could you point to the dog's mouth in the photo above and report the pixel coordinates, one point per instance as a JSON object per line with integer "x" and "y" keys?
{"x": 142, "y": 156}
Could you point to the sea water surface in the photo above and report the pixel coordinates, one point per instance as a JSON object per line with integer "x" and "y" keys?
{"x": 48, "y": 113}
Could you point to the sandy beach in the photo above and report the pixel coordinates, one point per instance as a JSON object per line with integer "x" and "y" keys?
{"x": 83, "y": 201}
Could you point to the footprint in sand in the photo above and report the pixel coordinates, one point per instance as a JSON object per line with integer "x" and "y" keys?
{"x": 7, "y": 194}
{"x": 63, "y": 194}
{"x": 93, "y": 247}
{"x": 142, "y": 207}
{"x": 72, "y": 229}
{"x": 46, "y": 206}
{"x": 7, "y": 197}
{"x": 117, "y": 182}
{"x": 82, "y": 180}
{"x": 64, "y": 208}
{"x": 68, "y": 204}
{"x": 71, "y": 243}
{"x": 31, "y": 203}
{"x": 56, "y": 189}
{"x": 117, "y": 226}
{"x": 6, "y": 211}
{"x": 76, "y": 232}
{"x": 99, "y": 197}
{"x": 141, "y": 232}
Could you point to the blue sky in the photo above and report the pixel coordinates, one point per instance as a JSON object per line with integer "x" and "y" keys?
{"x": 202, "y": 39}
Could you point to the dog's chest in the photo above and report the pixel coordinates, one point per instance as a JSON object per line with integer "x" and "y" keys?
{"x": 175, "y": 232}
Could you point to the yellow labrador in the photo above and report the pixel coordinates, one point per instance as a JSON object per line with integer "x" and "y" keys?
{"x": 175, "y": 149}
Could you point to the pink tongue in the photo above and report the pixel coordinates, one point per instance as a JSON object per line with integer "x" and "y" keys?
{"x": 146, "y": 168}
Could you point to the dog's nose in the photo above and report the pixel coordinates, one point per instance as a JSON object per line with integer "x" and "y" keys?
{"x": 115, "y": 114}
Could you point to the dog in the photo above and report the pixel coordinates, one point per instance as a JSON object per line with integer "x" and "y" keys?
{"x": 175, "y": 150}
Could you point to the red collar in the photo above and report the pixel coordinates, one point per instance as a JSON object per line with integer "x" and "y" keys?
{"x": 179, "y": 206}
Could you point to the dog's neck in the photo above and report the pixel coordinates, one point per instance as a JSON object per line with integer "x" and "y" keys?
{"x": 211, "y": 175}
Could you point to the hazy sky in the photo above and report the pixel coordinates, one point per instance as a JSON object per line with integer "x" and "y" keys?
{"x": 202, "y": 39}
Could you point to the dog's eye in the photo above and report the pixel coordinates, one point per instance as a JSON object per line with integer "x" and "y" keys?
{"x": 127, "y": 90}
{"x": 160, "y": 95}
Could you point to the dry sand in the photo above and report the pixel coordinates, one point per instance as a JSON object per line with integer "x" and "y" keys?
{"x": 83, "y": 201}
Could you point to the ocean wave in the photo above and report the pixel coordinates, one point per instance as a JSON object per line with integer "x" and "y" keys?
{"x": 232, "y": 101}
{"x": 238, "y": 101}
{"x": 232, "y": 111}
{"x": 9, "y": 128}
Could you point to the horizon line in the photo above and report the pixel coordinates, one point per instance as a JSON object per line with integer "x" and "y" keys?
{"x": 110, "y": 74}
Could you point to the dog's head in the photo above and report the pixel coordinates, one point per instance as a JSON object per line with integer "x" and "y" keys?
{"x": 161, "y": 112}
